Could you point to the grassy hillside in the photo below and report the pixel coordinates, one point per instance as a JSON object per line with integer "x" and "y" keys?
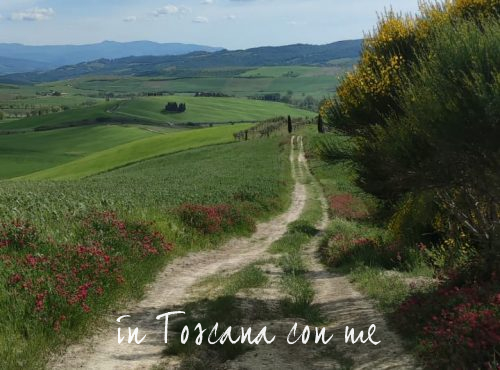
{"x": 80, "y": 116}
{"x": 207, "y": 110}
{"x": 148, "y": 111}
{"x": 139, "y": 150}
{"x": 297, "y": 71}
{"x": 315, "y": 81}
{"x": 24, "y": 153}
{"x": 204, "y": 175}
{"x": 318, "y": 82}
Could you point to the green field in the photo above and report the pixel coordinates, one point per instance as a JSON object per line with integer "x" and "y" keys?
{"x": 139, "y": 150}
{"x": 83, "y": 141}
{"x": 210, "y": 174}
{"x": 18, "y": 100}
{"x": 295, "y": 72}
{"x": 79, "y": 116}
{"x": 319, "y": 82}
{"x": 253, "y": 174}
{"x": 86, "y": 97}
{"x": 24, "y": 153}
{"x": 207, "y": 110}
{"x": 148, "y": 111}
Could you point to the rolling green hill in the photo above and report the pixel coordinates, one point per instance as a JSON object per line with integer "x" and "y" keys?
{"x": 139, "y": 150}
{"x": 207, "y": 110}
{"x": 315, "y": 81}
{"x": 251, "y": 177}
{"x": 75, "y": 117}
{"x": 25, "y": 153}
{"x": 148, "y": 111}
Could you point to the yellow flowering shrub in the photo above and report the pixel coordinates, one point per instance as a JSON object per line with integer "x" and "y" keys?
{"x": 367, "y": 93}
{"x": 409, "y": 222}
{"x": 421, "y": 110}
{"x": 394, "y": 34}
{"x": 325, "y": 107}
{"x": 378, "y": 75}
{"x": 433, "y": 15}
{"x": 474, "y": 8}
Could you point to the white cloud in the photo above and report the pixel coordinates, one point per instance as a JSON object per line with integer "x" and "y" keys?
{"x": 167, "y": 9}
{"x": 207, "y": 2}
{"x": 34, "y": 14}
{"x": 200, "y": 20}
{"x": 231, "y": 17}
{"x": 170, "y": 9}
{"x": 130, "y": 19}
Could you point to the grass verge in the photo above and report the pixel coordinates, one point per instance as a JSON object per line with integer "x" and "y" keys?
{"x": 295, "y": 284}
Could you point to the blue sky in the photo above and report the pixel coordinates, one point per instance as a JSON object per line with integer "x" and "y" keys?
{"x": 232, "y": 24}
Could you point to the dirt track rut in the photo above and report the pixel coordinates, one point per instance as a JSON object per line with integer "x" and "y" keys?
{"x": 171, "y": 289}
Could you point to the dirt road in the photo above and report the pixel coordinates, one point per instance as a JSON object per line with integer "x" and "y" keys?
{"x": 171, "y": 288}
{"x": 340, "y": 303}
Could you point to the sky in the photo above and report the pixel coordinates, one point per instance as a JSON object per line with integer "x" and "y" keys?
{"x": 232, "y": 24}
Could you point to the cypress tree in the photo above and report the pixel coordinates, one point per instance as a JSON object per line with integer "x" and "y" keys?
{"x": 290, "y": 127}
{"x": 321, "y": 128}
{"x": 172, "y": 107}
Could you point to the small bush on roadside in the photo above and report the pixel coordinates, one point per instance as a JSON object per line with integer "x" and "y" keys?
{"x": 342, "y": 250}
{"x": 347, "y": 206}
{"x": 350, "y": 244}
{"x": 215, "y": 219}
{"x": 456, "y": 327}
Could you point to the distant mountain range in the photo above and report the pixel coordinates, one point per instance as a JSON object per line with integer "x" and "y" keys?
{"x": 15, "y": 65}
{"x": 299, "y": 54}
{"x": 24, "y": 58}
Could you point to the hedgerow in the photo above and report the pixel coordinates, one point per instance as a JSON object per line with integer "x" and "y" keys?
{"x": 422, "y": 108}
{"x": 421, "y": 111}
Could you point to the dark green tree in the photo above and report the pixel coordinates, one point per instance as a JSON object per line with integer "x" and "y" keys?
{"x": 172, "y": 107}
{"x": 321, "y": 128}
{"x": 290, "y": 127}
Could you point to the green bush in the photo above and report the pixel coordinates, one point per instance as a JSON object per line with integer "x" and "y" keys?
{"x": 447, "y": 138}
{"x": 422, "y": 108}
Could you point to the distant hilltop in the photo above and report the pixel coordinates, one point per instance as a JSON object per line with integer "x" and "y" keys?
{"x": 16, "y": 58}
{"x": 151, "y": 65}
